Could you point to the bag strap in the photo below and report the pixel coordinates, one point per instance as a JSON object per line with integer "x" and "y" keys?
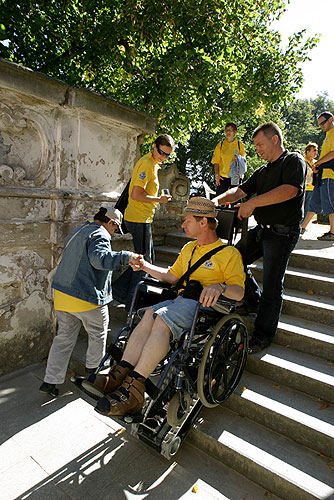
{"x": 196, "y": 264}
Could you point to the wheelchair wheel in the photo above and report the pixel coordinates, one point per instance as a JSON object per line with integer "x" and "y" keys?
{"x": 223, "y": 361}
{"x": 176, "y": 413}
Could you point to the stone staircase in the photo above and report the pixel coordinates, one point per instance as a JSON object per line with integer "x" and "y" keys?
{"x": 277, "y": 429}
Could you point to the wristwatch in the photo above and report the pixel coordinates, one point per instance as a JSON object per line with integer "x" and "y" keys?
{"x": 223, "y": 287}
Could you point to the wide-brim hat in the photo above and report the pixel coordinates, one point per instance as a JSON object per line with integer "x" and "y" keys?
{"x": 202, "y": 207}
{"x": 116, "y": 216}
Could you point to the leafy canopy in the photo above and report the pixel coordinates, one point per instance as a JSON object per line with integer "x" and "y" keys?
{"x": 191, "y": 63}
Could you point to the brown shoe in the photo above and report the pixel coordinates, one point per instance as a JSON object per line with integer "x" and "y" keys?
{"x": 105, "y": 384}
{"x": 127, "y": 400}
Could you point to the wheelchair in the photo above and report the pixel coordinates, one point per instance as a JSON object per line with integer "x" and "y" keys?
{"x": 201, "y": 369}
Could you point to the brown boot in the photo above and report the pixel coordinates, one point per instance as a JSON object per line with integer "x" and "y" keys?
{"x": 127, "y": 400}
{"x": 105, "y": 384}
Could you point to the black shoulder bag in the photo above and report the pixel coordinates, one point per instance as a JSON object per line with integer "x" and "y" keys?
{"x": 122, "y": 203}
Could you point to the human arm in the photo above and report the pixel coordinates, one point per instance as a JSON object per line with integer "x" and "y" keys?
{"x": 139, "y": 194}
{"x": 277, "y": 195}
{"x": 102, "y": 257}
{"x": 327, "y": 157}
{"x": 210, "y": 294}
{"x": 217, "y": 176}
{"x": 230, "y": 196}
{"x": 160, "y": 273}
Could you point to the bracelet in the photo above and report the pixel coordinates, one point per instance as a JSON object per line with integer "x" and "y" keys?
{"x": 223, "y": 288}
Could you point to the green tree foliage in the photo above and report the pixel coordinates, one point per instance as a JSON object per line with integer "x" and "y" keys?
{"x": 300, "y": 120}
{"x": 191, "y": 63}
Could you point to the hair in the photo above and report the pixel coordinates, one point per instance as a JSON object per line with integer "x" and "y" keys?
{"x": 326, "y": 114}
{"x": 231, "y": 124}
{"x": 164, "y": 140}
{"x": 269, "y": 129}
{"x": 212, "y": 222}
{"x": 101, "y": 215}
{"x": 310, "y": 146}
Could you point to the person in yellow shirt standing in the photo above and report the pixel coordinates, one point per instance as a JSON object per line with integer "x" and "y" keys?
{"x": 138, "y": 216}
{"x": 311, "y": 152}
{"x": 223, "y": 156}
{"x": 323, "y": 193}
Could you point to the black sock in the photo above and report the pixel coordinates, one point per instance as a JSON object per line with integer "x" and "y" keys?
{"x": 137, "y": 376}
{"x": 125, "y": 364}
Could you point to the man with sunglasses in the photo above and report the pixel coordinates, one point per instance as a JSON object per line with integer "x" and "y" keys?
{"x": 82, "y": 289}
{"x": 323, "y": 193}
{"x": 138, "y": 216}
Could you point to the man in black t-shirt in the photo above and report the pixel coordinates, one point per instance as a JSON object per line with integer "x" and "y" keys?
{"x": 276, "y": 194}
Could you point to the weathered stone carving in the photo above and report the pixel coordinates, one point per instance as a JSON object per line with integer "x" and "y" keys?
{"x": 23, "y": 148}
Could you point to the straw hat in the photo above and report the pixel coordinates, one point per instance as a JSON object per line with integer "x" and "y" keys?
{"x": 201, "y": 207}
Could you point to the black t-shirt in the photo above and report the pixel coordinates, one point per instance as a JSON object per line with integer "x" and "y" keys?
{"x": 289, "y": 168}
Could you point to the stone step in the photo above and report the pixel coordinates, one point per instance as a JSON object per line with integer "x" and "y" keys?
{"x": 177, "y": 239}
{"x": 288, "y": 469}
{"x": 308, "y": 307}
{"x": 166, "y": 253}
{"x": 303, "y": 372}
{"x": 312, "y": 259}
{"x": 312, "y": 282}
{"x": 302, "y": 335}
{"x": 306, "y": 336}
{"x": 298, "y": 416}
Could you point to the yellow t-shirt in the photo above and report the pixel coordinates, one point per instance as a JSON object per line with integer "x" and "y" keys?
{"x": 145, "y": 175}
{"x": 223, "y": 267}
{"x": 67, "y": 303}
{"x": 224, "y": 155}
{"x": 309, "y": 186}
{"x": 327, "y": 146}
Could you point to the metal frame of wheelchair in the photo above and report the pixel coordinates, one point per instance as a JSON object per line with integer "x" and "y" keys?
{"x": 201, "y": 369}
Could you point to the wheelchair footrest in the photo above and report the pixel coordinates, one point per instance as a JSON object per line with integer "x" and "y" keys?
{"x": 77, "y": 381}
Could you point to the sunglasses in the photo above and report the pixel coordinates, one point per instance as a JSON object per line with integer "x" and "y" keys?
{"x": 323, "y": 123}
{"x": 163, "y": 153}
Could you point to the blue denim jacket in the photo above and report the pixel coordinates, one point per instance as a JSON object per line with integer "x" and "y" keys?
{"x": 85, "y": 270}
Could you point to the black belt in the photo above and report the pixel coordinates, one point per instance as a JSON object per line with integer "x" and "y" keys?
{"x": 278, "y": 226}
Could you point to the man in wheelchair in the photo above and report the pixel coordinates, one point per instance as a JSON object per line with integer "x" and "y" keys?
{"x": 220, "y": 273}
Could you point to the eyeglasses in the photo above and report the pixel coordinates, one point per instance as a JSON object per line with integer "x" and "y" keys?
{"x": 163, "y": 153}
{"x": 323, "y": 123}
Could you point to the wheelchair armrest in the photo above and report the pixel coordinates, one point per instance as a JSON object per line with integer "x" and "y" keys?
{"x": 154, "y": 282}
{"x": 225, "y": 305}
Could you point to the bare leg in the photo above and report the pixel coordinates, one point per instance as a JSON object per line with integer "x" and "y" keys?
{"x": 155, "y": 348}
{"x": 331, "y": 222}
{"x": 307, "y": 219}
{"x": 138, "y": 338}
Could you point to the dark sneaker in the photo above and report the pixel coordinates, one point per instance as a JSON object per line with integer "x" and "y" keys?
{"x": 256, "y": 346}
{"x": 50, "y": 389}
{"x": 90, "y": 370}
{"x": 326, "y": 237}
{"x": 302, "y": 231}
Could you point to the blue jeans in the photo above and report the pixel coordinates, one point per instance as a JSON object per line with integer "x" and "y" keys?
{"x": 275, "y": 246}
{"x": 124, "y": 286}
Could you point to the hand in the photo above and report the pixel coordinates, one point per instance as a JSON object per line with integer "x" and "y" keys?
{"x": 137, "y": 262}
{"x": 165, "y": 198}
{"x": 217, "y": 177}
{"x": 210, "y": 295}
{"x": 245, "y": 209}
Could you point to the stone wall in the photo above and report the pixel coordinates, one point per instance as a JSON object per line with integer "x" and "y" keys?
{"x": 64, "y": 152}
